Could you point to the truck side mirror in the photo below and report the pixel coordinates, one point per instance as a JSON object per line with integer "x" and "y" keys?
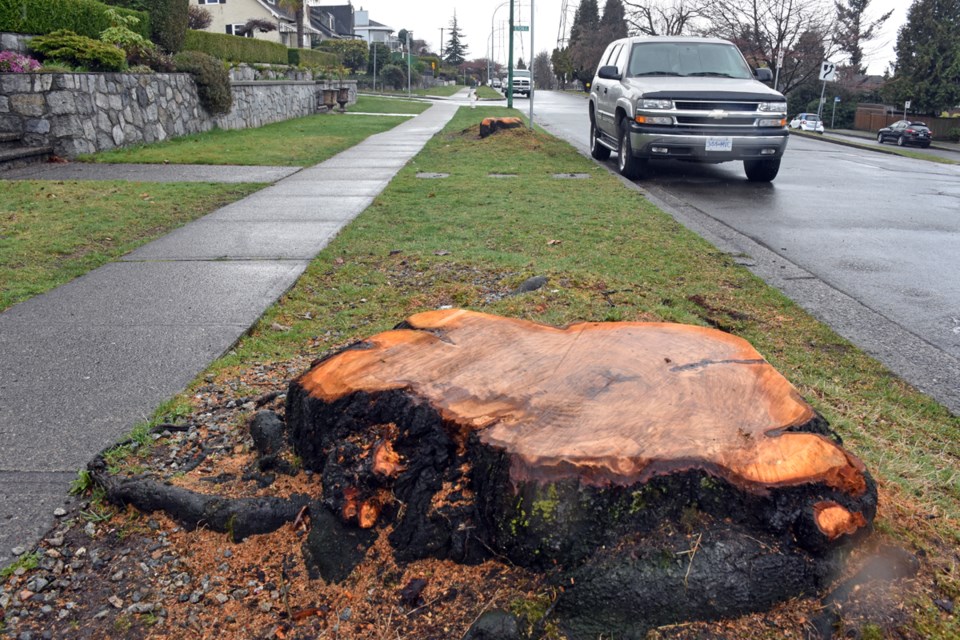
{"x": 608, "y": 72}
{"x": 763, "y": 74}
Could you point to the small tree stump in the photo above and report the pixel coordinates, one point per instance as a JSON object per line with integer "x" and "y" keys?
{"x": 490, "y": 126}
{"x": 596, "y": 445}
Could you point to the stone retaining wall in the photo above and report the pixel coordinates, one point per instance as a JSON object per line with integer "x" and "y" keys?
{"x": 79, "y": 113}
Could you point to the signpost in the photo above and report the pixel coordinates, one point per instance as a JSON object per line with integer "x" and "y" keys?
{"x": 906, "y": 105}
{"x": 836, "y": 99}
{"x": 828, "y": 72}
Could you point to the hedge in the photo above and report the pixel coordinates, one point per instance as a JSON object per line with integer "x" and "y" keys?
{"x": 84, "y": 17}
{"x": 235, "y": 48}
{"x": 168, "y": 19}
{"x": 311, "y": 58}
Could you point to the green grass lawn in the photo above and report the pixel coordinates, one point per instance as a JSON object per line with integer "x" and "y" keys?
{"x": 298, "y": 143}
{"x": 488, "y": 93}
{"x": 610, "y": 255}
{"x": 52, "y": 232}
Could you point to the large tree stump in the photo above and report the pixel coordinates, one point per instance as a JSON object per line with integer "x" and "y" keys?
{"x": 579, "y": 449}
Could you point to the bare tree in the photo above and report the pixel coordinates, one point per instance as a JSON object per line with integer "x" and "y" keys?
{"x": 763, "y": 29}
{"x": 678, "y": 18}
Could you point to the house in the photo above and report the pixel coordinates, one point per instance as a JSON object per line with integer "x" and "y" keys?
{"x": 373, "y": 31}
{"x": 231, "y": 17}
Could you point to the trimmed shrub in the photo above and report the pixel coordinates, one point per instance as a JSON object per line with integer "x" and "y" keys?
{"x": 168, "y": 20}
{"x": 79, "y": 51}
{"x": 394, "y": 76}
{"x": 311, "y": 58}
{"x": 211, "y": 78}
{"x": 953, "y": 135}
{"x": 83, "y": 17}
{"x": 235, "y": 48}
{"x": 351, "y": 53}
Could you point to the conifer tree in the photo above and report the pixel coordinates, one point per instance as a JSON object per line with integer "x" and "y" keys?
{"x": 928, "y": 56}
{"x": 455, "y": 53}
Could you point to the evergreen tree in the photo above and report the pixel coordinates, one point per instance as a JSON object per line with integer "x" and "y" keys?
{"x": 455, "y": 53}
{"x": 521, "y": 64}
{"x": 853, "y": 29}
{"x": 586, "y": 45}
{"x": 928, "y": 56}
{"x": 613, "y": 24}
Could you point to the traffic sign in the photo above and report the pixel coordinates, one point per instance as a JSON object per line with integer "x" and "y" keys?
{"x": 836, "y": 98}
{"x": 828, "y": 71}
{"x": 521, "y": 27}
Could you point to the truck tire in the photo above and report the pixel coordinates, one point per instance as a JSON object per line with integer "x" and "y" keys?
{"x": 597, "y": 150}
{"x": 630, "y": 167}
{"x": 763, "y": 170}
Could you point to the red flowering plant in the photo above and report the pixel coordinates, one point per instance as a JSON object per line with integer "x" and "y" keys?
{"x": 13, "y": 62}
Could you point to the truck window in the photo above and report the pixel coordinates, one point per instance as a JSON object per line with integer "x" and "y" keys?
{"x": 687, "y": 59}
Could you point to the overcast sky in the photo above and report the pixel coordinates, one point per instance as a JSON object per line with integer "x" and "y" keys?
{"x": 427, "y": 17}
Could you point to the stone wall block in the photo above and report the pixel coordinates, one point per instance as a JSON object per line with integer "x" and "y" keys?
{"x": 27, "y": 104}
{"x": 15, "y": 83}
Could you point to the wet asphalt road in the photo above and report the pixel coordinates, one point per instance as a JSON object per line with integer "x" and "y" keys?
{"x": 867, "y": 242}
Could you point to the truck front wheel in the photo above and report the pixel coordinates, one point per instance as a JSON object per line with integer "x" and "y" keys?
{"x": 761, "y": 170}
{"x": 630, "y": 167}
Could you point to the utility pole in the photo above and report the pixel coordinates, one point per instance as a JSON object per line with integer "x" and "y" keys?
{"x": 533, "y": 84}
{"x": 374, "y": 67}
{"x": 409, "y": 53}
{"x": 510, "y": 62}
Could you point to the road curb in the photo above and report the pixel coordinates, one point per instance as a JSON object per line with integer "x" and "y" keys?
{"x": 857, "y": 145}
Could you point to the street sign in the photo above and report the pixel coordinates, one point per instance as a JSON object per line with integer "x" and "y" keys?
{"x": 836, "y": 99}
{"x": 521, "y": 27}
{"x": 828, "y": 71}
{"x": 906, "y": 105}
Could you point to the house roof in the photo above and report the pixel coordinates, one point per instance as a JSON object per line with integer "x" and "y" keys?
{"x": 288, "y": 18}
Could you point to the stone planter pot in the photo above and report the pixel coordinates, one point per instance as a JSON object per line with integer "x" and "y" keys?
{"x": 329, "y": 98}
{"x": 343, "y": 97}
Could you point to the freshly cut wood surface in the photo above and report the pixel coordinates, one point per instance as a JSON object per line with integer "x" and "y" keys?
{"x": 605, "y": 403}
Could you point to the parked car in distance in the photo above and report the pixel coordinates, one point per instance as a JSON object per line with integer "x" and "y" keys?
{"x": 807, "y": 122}
{"x": 496, "y": 83}
{"x": 906, "y": 132}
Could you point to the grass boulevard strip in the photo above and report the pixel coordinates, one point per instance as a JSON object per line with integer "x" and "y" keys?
{"x": 503, "y": 214}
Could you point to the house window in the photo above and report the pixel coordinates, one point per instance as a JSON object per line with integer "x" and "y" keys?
{"x": 211, "y": 1}
{"x": 239, "y": 30}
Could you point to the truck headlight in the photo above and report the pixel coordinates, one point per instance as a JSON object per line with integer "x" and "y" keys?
{"x": 778, "y": 107}
{"x": 660, "y": 104}
{"x": 772, "y": 122}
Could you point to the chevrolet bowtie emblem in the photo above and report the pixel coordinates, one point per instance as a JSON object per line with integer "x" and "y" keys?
{"x": 718, "y": 114}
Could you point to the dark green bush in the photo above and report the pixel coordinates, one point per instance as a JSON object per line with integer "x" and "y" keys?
{"x": 211, "y": 78}
{"x": 236, "y": 48}
{"x": 168, "y": 20}
{"x": 953, "y": 135}
{"x": 79, "y": 51}
{"x": 394, "y": 76}
{"x": 311, "y": 58}
{"x": 84, "y": 17}
{"x": 351, "y": 53}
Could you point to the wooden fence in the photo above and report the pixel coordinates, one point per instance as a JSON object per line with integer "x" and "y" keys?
{"x": 872, "y": 120}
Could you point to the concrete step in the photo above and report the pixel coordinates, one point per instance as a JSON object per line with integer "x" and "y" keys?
{"x": 18, "y": 156}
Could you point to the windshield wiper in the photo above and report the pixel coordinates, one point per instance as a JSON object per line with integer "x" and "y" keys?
{"x": 716, "y": 74}
{"x": 657, "y": 73}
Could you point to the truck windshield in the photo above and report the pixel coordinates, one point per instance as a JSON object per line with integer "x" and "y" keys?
{"x": 687, "y": 59}
{"x": 521, "y": 73}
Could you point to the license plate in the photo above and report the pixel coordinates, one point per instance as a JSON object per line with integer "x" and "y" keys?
{"x": 719, "y": 144}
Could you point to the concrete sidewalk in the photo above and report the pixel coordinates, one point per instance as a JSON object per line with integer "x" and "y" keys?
{"x": 82, "y": 364}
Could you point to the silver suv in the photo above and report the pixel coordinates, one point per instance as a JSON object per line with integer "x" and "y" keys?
{"x": 685, "y": 98}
